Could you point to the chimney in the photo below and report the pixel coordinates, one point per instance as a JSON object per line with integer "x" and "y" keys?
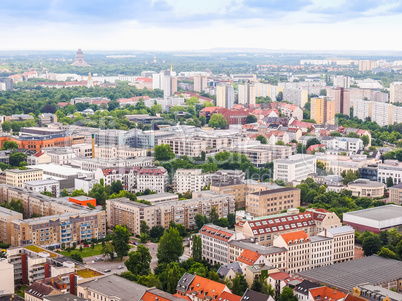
{"x": 93, "y": 145}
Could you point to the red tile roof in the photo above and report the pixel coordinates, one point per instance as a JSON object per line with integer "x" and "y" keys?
{"x": 205, "y": 289}
{"x": 144, "y": 79}
{"x": 38, "y": 154}
{"x": 248, "y": 257}
{"x": 281, "y": 223}
{"x": 225, "y": 296}
{"x": 215, "y": 233}
{"x": 295, "y": 237}
{"x": 303, "y": 124}
{"x": 313, "y": 147}
{"x": 326, "y": 293}
{"x": 63, "y": 104}
{"x": 279, "y": 276}
{"x": 135, "y": 98}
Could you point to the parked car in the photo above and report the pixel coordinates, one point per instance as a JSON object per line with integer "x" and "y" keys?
{"x": 98, "y": 259}
{"x": 120, "y": 267}
{"x": 107, "y": 270}
{"x": 131, "y": 242}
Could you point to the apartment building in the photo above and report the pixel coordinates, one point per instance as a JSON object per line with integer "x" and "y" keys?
{"x": 49, "y": 185}
{"x": 343, "y": 242}
{"x": 272, "y": 201}
{"x": 6, "y": 217}
{"x": 342, "y": 100}
{"x": 299, "y": 97}
{"x": 323, "y": 110}
{"x": 262, "y": 153}
{"x": 382, "y": 113}
{"x": 351, "y": 145}
{"x": 60, "y": 155}
{"x": 6, "y": 277}
{"x": 298, "y": 246}
{"x": 125, "y": 212}
{"x": 165, "y": 80}
{"x": 136, "y": 179}
{"x": 321, "y": 251}
{"x": 263, "y": 229}
{"x": 17, "y": 177}
{"x": 122, "y": 152}
{"x": 246, "y": 94}
{"x": 200, "y": 83}
{"x": 296, "y": 167}
{"x": 395, "y": 194}
{"x": 215, "y": 243}
{"x": 191, "y": 147}
{"x": 225, "y": 96}
{"x": 395, "y": 92}
{"x": 390, "y": 169}
{"x": 52, "y": 231}
{"x": 92, "y": 164}
{"x": 190, "y": 180}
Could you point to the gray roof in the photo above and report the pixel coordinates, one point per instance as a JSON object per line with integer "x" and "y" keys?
{"x": 250, "y": 295}
{"x": 381, "y": 213}
{"x": 263, "y": 250}
{"x": 184, "y": 282}
{"x": 341, "y": 230}
{"x": 304, "y": 287}
{"x": 116, "y": 286}
{"x": 347, "y": 275}
{"x": 224, "y": 269}
{"x": 64, "y": 297}
{"x": 377, "y": 291}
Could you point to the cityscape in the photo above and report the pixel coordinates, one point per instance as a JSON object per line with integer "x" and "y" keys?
{"x": 169, "y": 151}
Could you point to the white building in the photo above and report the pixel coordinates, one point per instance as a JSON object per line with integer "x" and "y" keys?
{"x": 343, "y": 242}
{"x": 246, "y": 94}
{"x": 6, "y": 277}
{"x": 341, "y": 81}
{"x": 190, "y": 180}
{"x": 367, "y": 188}
{"x": 215, "y": 243}
{"x": 261, "y": 90}
{"x": 396, "y": 92}
{"x": 382, "y": 113}
{"x": 299, "y": 97}
{"x": 296, "y": 167}
{"x": 390, "y": 169}
{"x": 225, "y": 96}
{"x": 321, "y": 251}
{"x": 60, "y": 155}
{"x": 166, "y": 81}
{"x": 351, "y": 145}
{"x": 50, "y": 185}
{"x": 200, "y": 83}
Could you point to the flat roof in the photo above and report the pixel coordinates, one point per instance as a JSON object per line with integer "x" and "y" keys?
{"x": 59, "y": 169}
{"x": 42, "y": 182}
{"x": 347, "y": 275}
{"x": 272, "y": 191}
{"x": 29, "y": 169}
{"x": 381, "y": 213}
{"x": 156, "y": 196}
{"x": 6, "y": 211}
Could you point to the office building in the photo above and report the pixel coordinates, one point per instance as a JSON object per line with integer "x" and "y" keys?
{"x": 225, "y": 96}
{"x": 390, "y": 169}
{"x": 367, "y": 188}
{"x": 272, "y": 201}
{"x": 125, "y": 212}
{"x": 296, "y": 167}
{"x": 323, "y": 110}
{"x": 49, "y": 185}
{"x": 200, "y": 83}
{"x": 166, "y": 81}
{"x": 246, "y": 94}
{"x": 395, "y": 92}
{"x": 17, "y": 177}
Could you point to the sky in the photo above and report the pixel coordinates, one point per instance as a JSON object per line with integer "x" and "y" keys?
{"x": 174, "y": 25}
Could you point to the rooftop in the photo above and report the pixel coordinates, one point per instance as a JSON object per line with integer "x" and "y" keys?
{"x": 4, "y": 211}
{"x": 64, "y": 297}
{"x": 366, "y": 183}
{"x": 272, "y": 191}
{"x": 116, "y": 286}
{"x": 347, "y": 275}
{"x": 381, "y": 213}
{"x": 59, "y": 169}
{"x": 250, "y": 295}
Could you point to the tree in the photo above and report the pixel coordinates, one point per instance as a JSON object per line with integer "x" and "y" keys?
{"x": 323, "y": 92}
{"x": 139, "y": 261}
{"x": 390, "y": 182}
{"x": 64, "y": 193}
{"x": 47, "y": 193}
{"x": 214, "y": 216}
{"x": 170, "y": 247}
{"x": 150, "y": 280}
{"x": 387, "y": 253}
{"x": 312, "y": 141}
{"x": 251, "y": 119}
{"x": 301, "y": 148}
{"x": 200, "y": 220}
{"x": 144, "y": 228}
{"x": 231, "y": 219}
{"x": 173, "y": 276}
{"x": 156, "y": 232}
{"x": 116, "y": 186}
{"x": 76, "y": 256}
{"x": 287, "y": 295}
{"x": 239, "y": 284}
{"x": 262, "y": 139}
{"x": 108, "y": 250}
{"x": 350, "y": 176}
{"x": 16, "y": 158}
{"x": 121, "y": 237}
{"x": 280, "y": 142}
{"x": 78, "y": 192}
{"x": 197, "y": 248}
{"x": 143, "y": 238}
{"x": 218, "y": 121}
{"x": 279, "y": 97}
{"x": 366, "y": 140}
{"x": 6, "y": 126}
{"x": 9, "y": 145}
{"x": 163, "y": 152}
{"x": 371, "y": 245}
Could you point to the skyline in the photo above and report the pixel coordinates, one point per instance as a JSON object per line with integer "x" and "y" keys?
{"x": 173, "y": 25}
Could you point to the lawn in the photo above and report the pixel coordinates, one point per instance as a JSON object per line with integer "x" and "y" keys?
{"x": 86, "y": 252}
{"x": 37, "y": 249}
{"x": 87, "y": 273}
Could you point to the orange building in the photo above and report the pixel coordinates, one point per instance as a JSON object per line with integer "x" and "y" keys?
{"x": 82, "y": 200}
{"x": 37, "y": 143}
